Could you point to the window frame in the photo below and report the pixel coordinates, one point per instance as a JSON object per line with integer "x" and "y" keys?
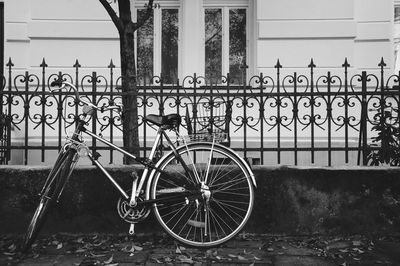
{"x": 157, "y": 33}
{"x": 225, "y": 7}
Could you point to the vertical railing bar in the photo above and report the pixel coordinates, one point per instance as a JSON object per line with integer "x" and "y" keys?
{"x": 26, "y": 117}
{"x": 278, "y": 120}
{"x": 245, "y": 124}
{"x": 295, "y": 117}
{"x": 364, "y": 117}
{"x": 329, "y": 117}
{"x": 312, "y": 105}
{"x": 9, "y": 104}
{"x": 262, "y": 110}
{"x": 346, "y": 111}
{"x": 111, "y": 120}
{"x": 94, "y": 116}
{"x": 43, "y": 102}
{"x": 59, "y": 113}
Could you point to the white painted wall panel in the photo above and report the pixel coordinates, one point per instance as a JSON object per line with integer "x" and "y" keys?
{"x": 304, "y": 9}
{"x": 374, "y": 31}
{"x": 368, "y": 54}
{"x": 68, "y": 10}
{"x": 298, "y": 53}
{"x": 373, "y": 10}
{"x": 17, "y": 10}
{"x": 60, "y": 53}
{"x": 73, "y": 29}
{"x": 17, "y": 32}
{"x": 19, "y": 53}
{"x": 307, "y": 29}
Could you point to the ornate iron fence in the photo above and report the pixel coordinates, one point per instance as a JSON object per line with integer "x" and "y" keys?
{"x": 293, "y": 119}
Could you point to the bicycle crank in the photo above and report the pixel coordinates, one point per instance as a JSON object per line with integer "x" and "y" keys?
{"x": 132, "y": 214}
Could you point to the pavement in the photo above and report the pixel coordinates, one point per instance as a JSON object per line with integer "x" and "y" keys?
{"x": 159, "y": 249}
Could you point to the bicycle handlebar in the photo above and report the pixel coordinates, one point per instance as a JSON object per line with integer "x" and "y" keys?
{"x": 62, "y": 84}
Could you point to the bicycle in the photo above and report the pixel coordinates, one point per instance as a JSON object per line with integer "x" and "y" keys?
{"x": 201, "y": 193}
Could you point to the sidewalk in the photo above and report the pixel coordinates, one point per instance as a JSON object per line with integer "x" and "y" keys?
{"x": 246, "y": 249}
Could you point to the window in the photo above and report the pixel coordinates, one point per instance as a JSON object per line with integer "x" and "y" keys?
{"x": 157, "y": 46}
{"x": 225, "y": 43}
{"x": 2, "y": 39}
{"x": 397, "y": 37}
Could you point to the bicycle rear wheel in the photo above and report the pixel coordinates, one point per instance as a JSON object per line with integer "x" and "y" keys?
{"x": 50, "y": 193}
{"x": 216, "y": 191}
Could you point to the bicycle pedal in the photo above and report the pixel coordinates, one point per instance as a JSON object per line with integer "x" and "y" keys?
{"x": 132, "y": 229}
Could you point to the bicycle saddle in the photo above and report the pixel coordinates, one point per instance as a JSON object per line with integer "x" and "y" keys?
{"x": 171, "y": 120}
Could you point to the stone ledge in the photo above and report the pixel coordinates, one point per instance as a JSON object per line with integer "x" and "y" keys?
{"x": 289, "y": 200}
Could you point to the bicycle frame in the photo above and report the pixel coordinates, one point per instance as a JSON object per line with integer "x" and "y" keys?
{"x": 148, "y": 163}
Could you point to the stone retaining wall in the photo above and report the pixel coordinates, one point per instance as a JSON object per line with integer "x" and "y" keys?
{"x": 289, "y": 200}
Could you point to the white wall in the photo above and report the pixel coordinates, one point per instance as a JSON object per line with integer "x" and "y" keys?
{"x": 61, "y": 32}
{"x": 327, "y": 31}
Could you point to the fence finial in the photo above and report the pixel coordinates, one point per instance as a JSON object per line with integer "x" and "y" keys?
{"x": 111, "y": 65}
{"x": 43, "y": 64}
{"x": 345, "y": 64}
{"x": 278, "y": 64}
{"x": 312, "y": 65}
{"x": 382, "y": 64}
{"x": 10, "y": 63}
{"x": 77, "y": 65}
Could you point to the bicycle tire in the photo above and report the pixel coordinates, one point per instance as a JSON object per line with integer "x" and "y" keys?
{"x": 53, "y": 187}
{"x": 191, "y": 219}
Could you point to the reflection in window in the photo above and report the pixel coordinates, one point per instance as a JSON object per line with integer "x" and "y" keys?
{"x": 396, "y": 39}
{"x": 213, "y": 43}
{"x": 232, "y": 30}
{"x": 169, "y": 50}
{"x": 145, "y": 44}
{"x": 237, "y": 45}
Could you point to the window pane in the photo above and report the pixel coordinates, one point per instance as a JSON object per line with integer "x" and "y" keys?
{"x": 145, "y": 43}
{"x": 213, "y": 43}
{"x": 169, "y": 50}
{"x": 237, "y": 45}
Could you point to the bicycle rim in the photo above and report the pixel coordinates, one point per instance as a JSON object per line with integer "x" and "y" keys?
{"x": 54, "y": 185}
{"x": 201, "y": 220}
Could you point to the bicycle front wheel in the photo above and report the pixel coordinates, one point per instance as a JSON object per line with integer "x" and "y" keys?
{"x": 50, "y": 193}
{"x": 205, "y": 197}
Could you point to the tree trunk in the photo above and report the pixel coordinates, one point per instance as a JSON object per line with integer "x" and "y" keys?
{"x": 129, "y": 89}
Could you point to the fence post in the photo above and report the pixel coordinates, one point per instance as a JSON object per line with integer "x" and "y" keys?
{"x": 43, "y": 65}
{"x": 364, "y": 117}
{"x": 94, "y": 116}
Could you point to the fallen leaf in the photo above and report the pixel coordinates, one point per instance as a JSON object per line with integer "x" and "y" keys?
{"x": 241, "y": 258}
{"x": 178, "y": 250}
{"x": 97, "y": 255}
{"x": 59, "y": 246}
{"x": 157, "y": 261}
{"x": 137, "y": 248}
{"x": 270, "y": 249}
{"x": 109, "y": 260}
{"x": 12, "y": 247}
{"x": 232, "y": 256}
{"x": 80, "y": 250}
{"x": 184, "y": 259}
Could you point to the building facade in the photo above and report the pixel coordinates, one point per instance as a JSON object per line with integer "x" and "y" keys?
{"x": 204, "y": 36}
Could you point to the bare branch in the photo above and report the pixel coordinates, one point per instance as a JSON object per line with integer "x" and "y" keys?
{"x": 149, "y": 12}
{"x": 112, "y": 14}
